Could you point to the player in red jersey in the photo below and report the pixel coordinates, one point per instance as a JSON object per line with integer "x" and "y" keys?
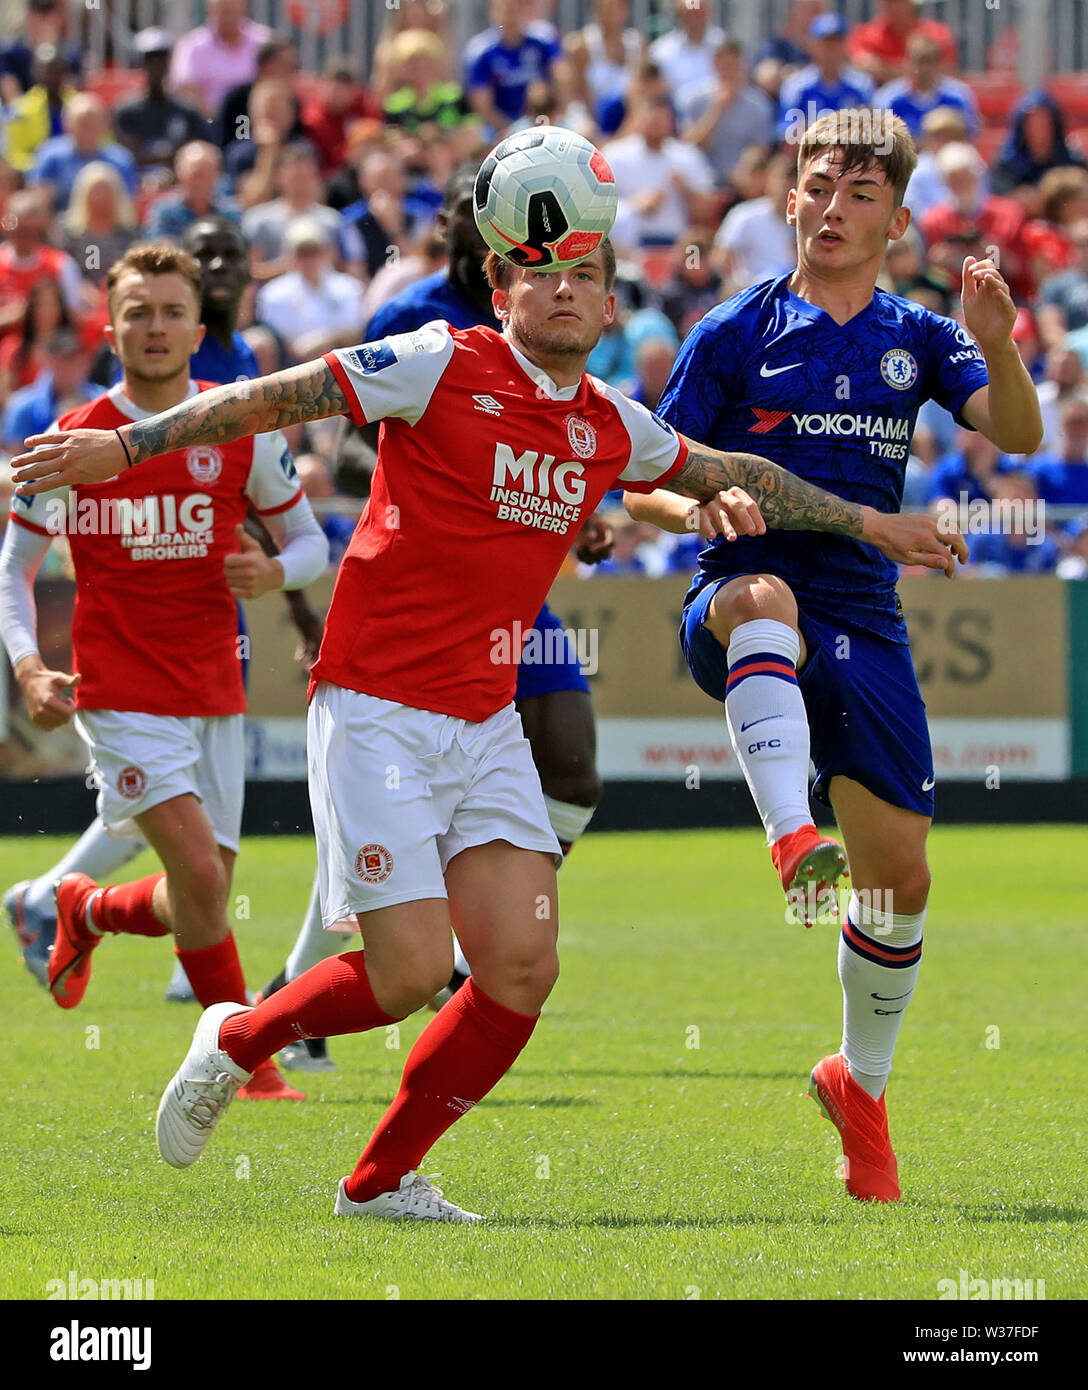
{"x": 428, "y": 809}
{"x": 158, "y": 685}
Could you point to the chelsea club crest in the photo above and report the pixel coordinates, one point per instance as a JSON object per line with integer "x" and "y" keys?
{"x": 899, "y": 369}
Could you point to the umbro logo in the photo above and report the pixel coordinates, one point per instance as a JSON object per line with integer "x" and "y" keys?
{"x": 777, "y": 371}
{"x": 488, "y": 404}
{"x": 460, "y": 1104}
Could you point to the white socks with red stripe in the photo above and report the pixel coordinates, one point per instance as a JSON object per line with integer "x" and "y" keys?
{"x": 879, "y": 958}
{"x": 768, "y": 724}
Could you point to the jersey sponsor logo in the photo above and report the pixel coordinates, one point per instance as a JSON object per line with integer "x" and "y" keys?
{"x": 488, "y": 404}
{"x": 373, "y": 863}
{"x": 205, "y": 464}
{"x": 839, "y": 425}
{"x": 287, "y": 463}
{"x": 132, "y": 782}
{"x": 899, "y": 369}
{"x": 372, "y": 357}
{"x": 767, "y": 420}
{"x": 777, "y": 371}
{"x": 533, "y": 490}
{"x": 582, "y": 437}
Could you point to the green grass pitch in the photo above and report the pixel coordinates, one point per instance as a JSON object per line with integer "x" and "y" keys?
{"x": 652, "y": 1142}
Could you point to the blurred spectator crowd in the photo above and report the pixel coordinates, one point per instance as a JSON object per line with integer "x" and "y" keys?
{"x": 336, "y": 179}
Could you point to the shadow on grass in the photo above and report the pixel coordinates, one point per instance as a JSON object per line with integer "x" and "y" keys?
{"x": 675, "y": 1074}
{"x": 611, "y": 1221}
{"x": 1026, "y": 1212}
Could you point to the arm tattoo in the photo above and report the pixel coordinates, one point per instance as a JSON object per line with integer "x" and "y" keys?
{"x": 787, "y": 502}
{"x": 306, "y": 392}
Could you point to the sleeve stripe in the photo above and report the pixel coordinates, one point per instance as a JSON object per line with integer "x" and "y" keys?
{"x": 338, "y": 371}
{"x": 22, "y": 521}
{"x": 283, "y": 507}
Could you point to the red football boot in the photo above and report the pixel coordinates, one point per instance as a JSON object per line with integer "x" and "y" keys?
{"x": 70, "y": 958}
{"x": 869, "y": 1167}
{"x": 809, "y": 865}
{"x": 266, "y": 1083}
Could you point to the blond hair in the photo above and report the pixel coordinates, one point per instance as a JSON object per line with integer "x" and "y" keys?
{"x": 76, "y": 218}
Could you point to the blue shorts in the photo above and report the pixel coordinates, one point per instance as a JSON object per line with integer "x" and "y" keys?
{"x": 558, "y": 670}
{"x": 866, "y": 715}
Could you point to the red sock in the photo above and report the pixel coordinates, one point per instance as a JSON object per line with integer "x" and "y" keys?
{"x": 125, "y": 909}
{"x": 332, "y": 998}
{"x": 464, "y": 1051}
{"x": 215, "y": 973}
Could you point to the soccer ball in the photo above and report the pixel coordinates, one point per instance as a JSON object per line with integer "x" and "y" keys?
{"x": 545, "y": 198}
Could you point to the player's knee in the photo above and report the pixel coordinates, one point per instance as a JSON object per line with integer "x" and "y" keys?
{"x": 747, "y": 600}
{"x": 203, "y": 882}
{"x": 530, "y": 975}
{"x": 908, "y": 885}
{"x": 575, "y": 781}
{"x": 406, "y": 984}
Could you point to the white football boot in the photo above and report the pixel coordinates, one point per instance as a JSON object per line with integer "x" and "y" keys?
{"x": 199, "y": 1091}
{"x": 416, "y": 1199}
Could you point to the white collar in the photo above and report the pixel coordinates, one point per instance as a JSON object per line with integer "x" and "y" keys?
{"x": 539, "y": 377}
{"x": 132, "y": 411}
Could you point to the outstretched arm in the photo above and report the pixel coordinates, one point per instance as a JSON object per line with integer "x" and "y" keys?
{"x": 307, "y": 392}
{"x": 788, "y": 503}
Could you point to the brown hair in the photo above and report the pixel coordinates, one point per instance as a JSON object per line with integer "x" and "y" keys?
{"x": 500, "y": 271}
{"x": 863, "y": 137}
{"x": 155, "y": 258}
{"x": 1060, "y": 186}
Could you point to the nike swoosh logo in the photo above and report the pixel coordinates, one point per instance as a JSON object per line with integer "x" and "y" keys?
{"x": 929, "y": 784}
{"x": 766, "y": 717}
{"x": 776, "y": 371}
{"x": 891, "y": 998}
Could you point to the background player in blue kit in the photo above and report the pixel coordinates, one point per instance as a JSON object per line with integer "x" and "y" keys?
{"x": 803, "y": 637}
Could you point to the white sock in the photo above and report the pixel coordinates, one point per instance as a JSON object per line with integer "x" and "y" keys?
{"x": 313, "y": 943}
{"x": 773, "y": 756}
{"x": 567, "y": 820}
{"x": 875, "y": 989}
{"x": 96, "y": 853}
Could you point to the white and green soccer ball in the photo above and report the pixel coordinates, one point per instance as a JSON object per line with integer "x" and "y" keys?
{"x": 545, "y": 198}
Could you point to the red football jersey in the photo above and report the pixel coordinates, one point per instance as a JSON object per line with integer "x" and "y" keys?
{"x": 486, "y": 472}
{"x": 155, "y": 627}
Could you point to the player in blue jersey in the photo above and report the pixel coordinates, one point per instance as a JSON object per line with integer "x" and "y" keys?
{"x": 553, "y": 697}
{"x": 803, "y": 637}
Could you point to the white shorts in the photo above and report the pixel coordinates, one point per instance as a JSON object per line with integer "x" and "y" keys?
{"x": 396, "y": 792}
{"x": 139, "y": 760}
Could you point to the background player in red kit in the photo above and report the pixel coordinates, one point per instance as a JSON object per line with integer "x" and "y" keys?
{"x": 158, "y": 690}
{"x": 492, "y": 450}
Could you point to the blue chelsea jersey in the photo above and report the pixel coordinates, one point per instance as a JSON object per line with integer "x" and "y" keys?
{"x": 436, "y": 297}
{"x": 768, "y": 373}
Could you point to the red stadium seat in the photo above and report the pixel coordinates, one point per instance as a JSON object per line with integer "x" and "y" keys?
{"x": 116, "y": 85}
{"x": 996, "y": 93}
{"x": 1070, "y": 91}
